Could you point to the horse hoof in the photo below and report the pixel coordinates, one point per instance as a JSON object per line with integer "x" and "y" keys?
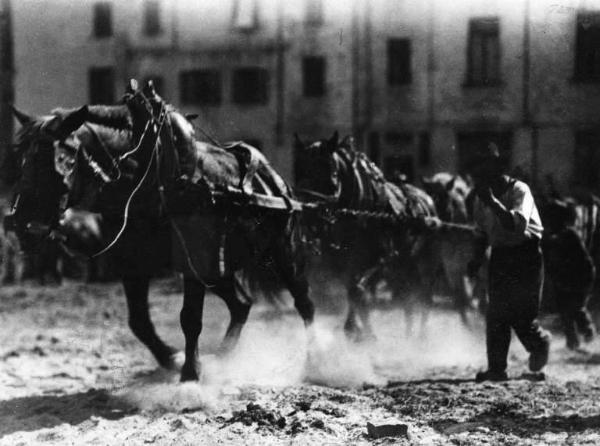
{"x": 188, "y": 375}
{"x": 175, "y": 361}
{"x": 359, "y": 336}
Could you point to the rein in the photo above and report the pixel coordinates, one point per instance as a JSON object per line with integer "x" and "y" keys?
{"x": 162, "y": 117}
{"x": 333, "y": 198}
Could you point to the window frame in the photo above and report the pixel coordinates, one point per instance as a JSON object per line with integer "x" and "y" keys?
{"x": 236, "y": 22}
{"x": 197, "y": 79}
{"x": 584, "y": 165}
{"x": 102, "y": 29}
{"x": 580, "y": 74}
{"x": 486, "y": 28}
{"x": 244, "y": 97}
{"x": 399, "y": 73}
{"x": 152, "y": 23}
{"x": 314, "y": 12}
{"x": 314, "y": 84}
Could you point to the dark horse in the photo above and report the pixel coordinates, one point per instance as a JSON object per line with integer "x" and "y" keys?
{"x": 170, "y": 176}
{"x": 40, "y": 192}
{"x": 359, "y": 245}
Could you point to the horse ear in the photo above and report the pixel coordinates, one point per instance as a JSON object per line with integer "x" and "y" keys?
{"x": 72, "y": 122}
{"x": 450, "y": 184}
{"x": 191, "y": 116}
{"x": 22, "y": 117}
{"x": 149, "y": 89}
{"x": 334, "y": 139}
{"x": 298, "y": 144}
{"x": 132, "y": 86}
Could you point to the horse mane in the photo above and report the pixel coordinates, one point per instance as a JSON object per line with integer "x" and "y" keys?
{"x": 114, "y": 116}
{"x": 115, "y": 139}
{"x": 375, "y": 192}
{"x": 369, "y": 186}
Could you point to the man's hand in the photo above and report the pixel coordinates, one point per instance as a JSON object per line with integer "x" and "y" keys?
{"x": 433, "y": 223}
{"x": 486, "y": 195}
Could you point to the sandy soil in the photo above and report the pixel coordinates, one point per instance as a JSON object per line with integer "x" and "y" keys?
{"x": 72, "y": 373}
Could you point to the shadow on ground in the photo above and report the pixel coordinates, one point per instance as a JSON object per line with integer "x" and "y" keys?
{"x": 520, "y": 424}
{"x": 46, "y": 411}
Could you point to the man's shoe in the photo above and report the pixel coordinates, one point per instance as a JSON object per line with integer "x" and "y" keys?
{"x": 539, "y": 358}
{"x": 491, "y": 375}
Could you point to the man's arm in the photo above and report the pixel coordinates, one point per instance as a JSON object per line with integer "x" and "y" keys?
{"x": 504, "y": 215}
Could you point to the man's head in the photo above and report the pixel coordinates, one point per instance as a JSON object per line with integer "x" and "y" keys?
{"x": 485, "y": 165}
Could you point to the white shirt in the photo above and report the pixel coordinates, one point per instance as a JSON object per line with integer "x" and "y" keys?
{"x": 518, "y": 199}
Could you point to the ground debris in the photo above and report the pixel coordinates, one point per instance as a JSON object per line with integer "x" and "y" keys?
{"x": 387, "y": 430}
{"x": 254, "y": 413}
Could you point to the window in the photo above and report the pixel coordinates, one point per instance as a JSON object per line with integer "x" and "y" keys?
{"x": 313, "y": 75}
{"x": 101, "y": 85}
{"x": 399, "y": 70}
{"x": 401, "y": 142}
{"x": 250, "y": 86}
{"x": 200, "y": 87}
{"x": 586, "y": 171}
{"x": 245, "y": 15}
{"x": 159, "y": 83}
{"x": 483, "y": 57}
{"x": 587, "y": 55}
{"x": 469, "y": 142}
{"x": 314, "y": 12}
{"x": 102, "y": 20}
{"x": 152, "y": 26}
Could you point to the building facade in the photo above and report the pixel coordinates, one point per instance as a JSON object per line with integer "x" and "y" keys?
{"x": 419, "y": 83}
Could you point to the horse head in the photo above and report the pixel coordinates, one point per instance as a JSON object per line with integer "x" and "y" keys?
{"x": 67, "y": 158}
{"x": 317, "y": 168}
{"x": 39, "y": 188}
{"x": 447, "y": 193}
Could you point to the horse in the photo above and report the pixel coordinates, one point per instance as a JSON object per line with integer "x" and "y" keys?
{"x": 451, "y": 195}
{"x": 356, "y": 243}
{"x": 43, "y": 183}
{"x": 172, "y": 175}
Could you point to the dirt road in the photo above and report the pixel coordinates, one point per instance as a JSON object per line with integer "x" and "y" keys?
{"x": 72, "y": 373}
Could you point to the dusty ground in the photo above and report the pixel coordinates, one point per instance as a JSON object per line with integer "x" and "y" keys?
{"x": 72, "y": 373}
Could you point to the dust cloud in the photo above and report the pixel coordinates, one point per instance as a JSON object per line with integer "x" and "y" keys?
{"x": 276, "y": 351}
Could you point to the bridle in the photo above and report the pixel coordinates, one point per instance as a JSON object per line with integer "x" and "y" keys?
{"x": 157, "y": 124}
{"x": 323, "y": 198}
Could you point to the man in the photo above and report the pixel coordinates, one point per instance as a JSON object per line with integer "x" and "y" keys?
{"x": 571, "y": 270}
{"x": 504, "y": 209}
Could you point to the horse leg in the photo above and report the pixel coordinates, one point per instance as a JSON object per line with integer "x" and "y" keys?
{"x": 136, "y": 292}
{"x": 351, "y": 327}
{"x": 238, "y": 312}
{"x": 462, "y": 302}
{"x": 358, "y": 305}
{"x": 291, "y": 268}
{"x": 297, "y": 284}
{"x": 191, "y": 324}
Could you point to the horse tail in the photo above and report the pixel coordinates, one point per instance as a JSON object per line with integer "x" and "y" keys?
{"x": 283, "y": 262}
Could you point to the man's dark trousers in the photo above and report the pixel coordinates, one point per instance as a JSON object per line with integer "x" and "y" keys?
{"x": 516, "y": 278}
